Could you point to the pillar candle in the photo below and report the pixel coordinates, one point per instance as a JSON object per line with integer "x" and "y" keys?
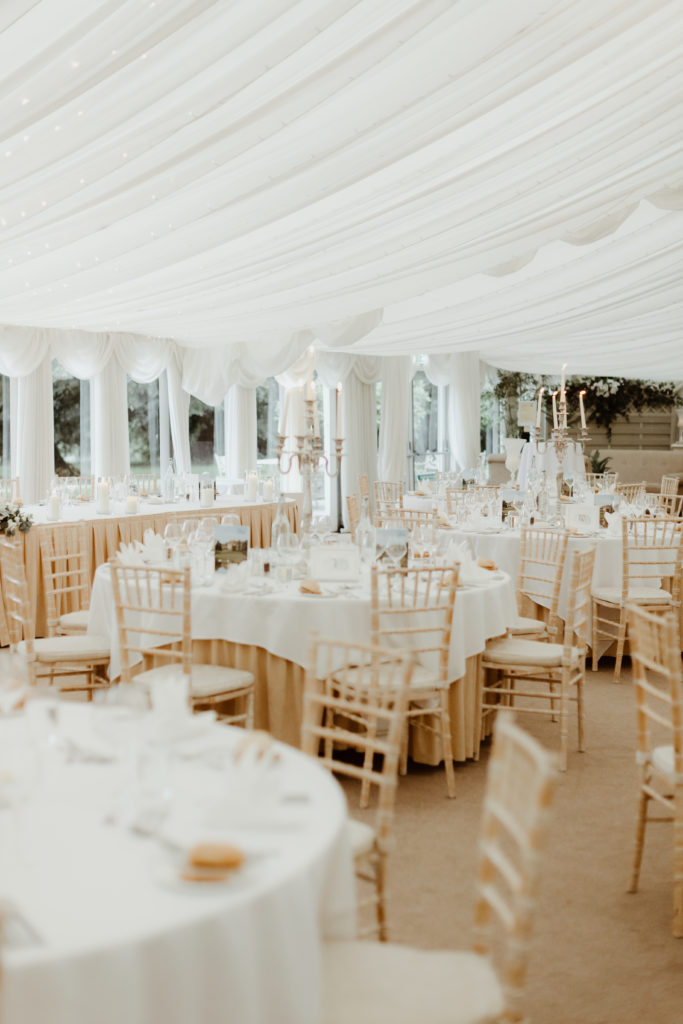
{"x": 53, "y": 506}
{"x": 540, "y": 409}
{"x": 267, "y": 490}
{"x": 252, "y": 487}
{"x": 131, "y": 504}
{"x": 102, "y": 498}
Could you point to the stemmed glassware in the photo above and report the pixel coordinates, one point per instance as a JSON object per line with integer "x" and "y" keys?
{"x": 396, "y": 549}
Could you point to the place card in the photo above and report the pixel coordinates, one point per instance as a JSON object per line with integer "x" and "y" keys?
{"x": 232, "y": 545}
{"x": 582, "y": 517}
{"x": 335, "y": 562}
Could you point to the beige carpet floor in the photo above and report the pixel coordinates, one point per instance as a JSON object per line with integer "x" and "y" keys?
{"x": 600, "y": 955}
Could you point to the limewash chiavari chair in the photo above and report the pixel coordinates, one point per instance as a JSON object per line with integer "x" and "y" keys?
{"x": 656, "y": 658}
{"x": 542, "y": 558}
{"x": 456, "y": 497}
{"x": 372, "y": 696}
{"x": 631, "y": 493}
{"x": 669, "y": 484}
{"x": 10, "y": 489}
{"x": 413, "y": 609}
{"x": 364, "y": 486}
{"x": 401, "y": 518}
{"x": 651, "y": 557}
{"x": 146, "y": 484}
{"x": 391, "y": 984}
{"x": 353, "y": 511}
{"x": 49, "y": 657}
{"x": 66, "y": 579}
{"x": 602, "y": 481}
{"x": 154, "y": 617}
{"x": 388, "y": 494}
{"x": 670, "y": 504}
{"x": 555, "y": 672}
{"x": 82, "y": 488}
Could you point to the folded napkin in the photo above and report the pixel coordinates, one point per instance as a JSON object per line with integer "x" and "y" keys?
{"x": 310, "y": 587}
{"x": 473, "y": 574}
{"x": 153, "y": 547}
{"x": 131, "y": 554}
{"x": 614, "y": 520}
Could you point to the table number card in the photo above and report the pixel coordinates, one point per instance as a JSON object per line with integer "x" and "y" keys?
{"x": 335, "y": 562}
{"x": 581, "y": 517}
{"x": 232, "y": 545}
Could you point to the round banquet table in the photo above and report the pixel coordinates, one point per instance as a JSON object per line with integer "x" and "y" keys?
{"x": 269, "y": 635}
{"x": 117, "y": 936}
{"x": 106, "y": 533}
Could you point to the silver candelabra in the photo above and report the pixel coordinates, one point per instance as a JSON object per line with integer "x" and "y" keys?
{"x": 308, "y": 455}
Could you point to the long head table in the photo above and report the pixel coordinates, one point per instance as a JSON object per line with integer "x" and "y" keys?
{"x": 106, "y": 533}
{"x": 269, "y": 634}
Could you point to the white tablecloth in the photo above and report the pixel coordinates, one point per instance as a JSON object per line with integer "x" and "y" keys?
{"x": 282, "y": 622}
{"x": 124, "y": 941}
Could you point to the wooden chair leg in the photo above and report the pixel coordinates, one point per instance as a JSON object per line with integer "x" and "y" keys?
{"x": 564, "y": 725}
{"x": 621, "y": 640}
{"x": 381, "y": 876}
{"x": 370, "y": 735}
{"x": 580, "y": 713}
{"x": 641, "y": 822}
{"x": 446, "y": 743}
{"x": 594, "y": 637}
{"x": 405, "y": 741}
{"x": 678, "y": 868}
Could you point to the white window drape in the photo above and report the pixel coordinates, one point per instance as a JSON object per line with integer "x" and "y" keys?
{"x": 34, "y": 430}
{"x": 395, "y": 423}
{"x": 240, "y": 431}
{"x": 460, "y": 371}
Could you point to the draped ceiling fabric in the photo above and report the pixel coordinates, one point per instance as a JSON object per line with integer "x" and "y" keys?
{"x": 227, "y": 174}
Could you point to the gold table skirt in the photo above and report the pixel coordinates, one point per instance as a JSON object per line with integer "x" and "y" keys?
{"x": 278, "y": 699}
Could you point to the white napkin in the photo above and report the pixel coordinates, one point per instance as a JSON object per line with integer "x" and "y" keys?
{"x": 131, "y": 554}
{"x": 614, "y": 520}
{"x": 474, "y": 574}
{"x": 153, "y": 547}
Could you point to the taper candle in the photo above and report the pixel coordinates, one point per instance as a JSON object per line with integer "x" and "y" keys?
{"x": 583, "y": 411}
{"x": 540, "y": 408}
{"x": 555, "y": 410}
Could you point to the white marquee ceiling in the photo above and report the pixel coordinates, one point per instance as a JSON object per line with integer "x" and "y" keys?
{"x": 235, "y": 171}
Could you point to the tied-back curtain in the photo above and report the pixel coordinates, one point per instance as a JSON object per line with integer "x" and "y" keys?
{"x": 240, "y": 431}
{"x": 34, "y": 430}
{"x": 394, "y": 431}
{"x": 460, "y": 371}
{"x": 179, "y": 416}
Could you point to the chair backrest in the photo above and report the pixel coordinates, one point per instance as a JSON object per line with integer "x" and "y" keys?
{"x": 66, "y": 571}
{"x": 542, "y": 557}
{"x": 670, "y": 504}
{"x": 353, "y": 509}
{"x": 656, "y": 659}
{"x": 401, "y": 518}
{"x": 632, "y": 492}
{"x": 669, "y": 484}
{"x": 521, "y": 781}
{"x": 486, "y": 492}
{"x": 578, "y": 613}
{"x": 388, "y": 493}
{"x": 427, "y": 594}
{"x": 364, "y": 486}
{"x": 651, "y": 555}
{"x": 17, "y": 600}
{"x": 153, "y": 610}
{"x": 10, "y": 489}
{"x": 146, "y": 484}
{"x": 457, "y": 497}
{"x": 350, "y": 682}
{"x": 81, "y": 487}
{"x": 595, "y": 480}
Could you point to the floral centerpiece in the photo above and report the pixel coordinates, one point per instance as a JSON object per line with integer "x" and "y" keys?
{"x": 13, "y": 519}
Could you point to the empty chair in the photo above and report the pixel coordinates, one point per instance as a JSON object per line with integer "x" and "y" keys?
{"x": 353, "y": 511}
{"x": 457, "y": 497}
{"x": 66, "y": 578}
{"x": 146, "y": 484}
{"x": 413, "y": 609}
{"x": 656, "y": 657}
{"x": 669, "y": 505}
{"x": 542, "y": 558}
{"x": 391, "y": 984}
{"x": 669, "y": 484}
{"x": 553, "y": 674}
{"x": 82, "y": 488}
{"x": 55, "y": 657}
{"x": 372, "y": 695}
{"x": 651, "y": 571}
{"x": 364, "y": 486}
{"x": 167, "y": 633}
{"x": 388, "y": 494}
{"x": 401, "y": 518}
{"x": 632, "y": 492}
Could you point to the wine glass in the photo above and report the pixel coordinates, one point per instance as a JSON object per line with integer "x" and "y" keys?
{"x": 172, "y": 539}
{"x": 230, "y": 519}
{"x": 396, "y": 549}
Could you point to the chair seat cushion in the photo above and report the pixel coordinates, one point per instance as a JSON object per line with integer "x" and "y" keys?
{"x": 651, "y": 595}
{"x": 517, "y": 651}
{"x": 207, "y": 680}
{"x": 361, "y": 837}
{"x": 74, "y": 622}
{"x": 382, "y": 983}
{"x": 421, "y": 679}
{"x": 90, "y": 647}
{"x": 525, "y": 625}
{"x": 662, "y": 759}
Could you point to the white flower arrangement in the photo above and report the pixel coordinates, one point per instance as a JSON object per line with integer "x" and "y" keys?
{"x": 13, "y": 519}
